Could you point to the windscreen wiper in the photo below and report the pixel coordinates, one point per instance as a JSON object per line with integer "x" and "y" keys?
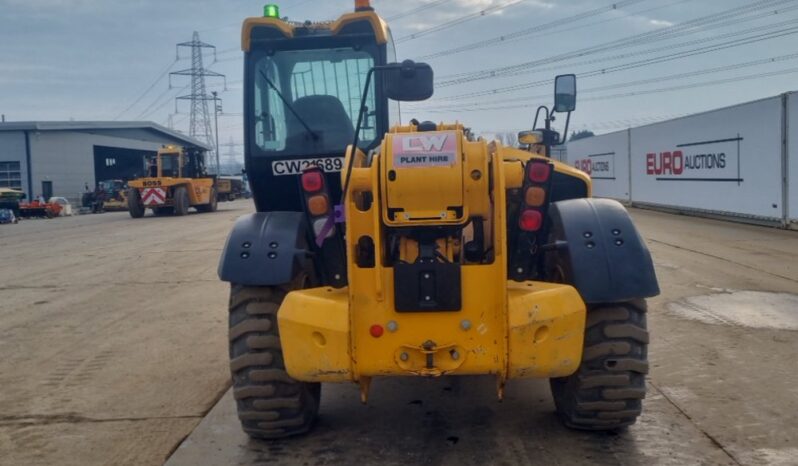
{"x": 280, "y": 95}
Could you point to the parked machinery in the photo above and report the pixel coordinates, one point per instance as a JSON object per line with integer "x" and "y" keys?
{"x": 415, "y": 250}
{"x": 176, "y": 180}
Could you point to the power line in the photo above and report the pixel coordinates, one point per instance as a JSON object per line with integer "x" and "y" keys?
{"x": 724, "y": 18}
{"x": 149, "y": 109}
{"x": 638, "y": 93}
{"x": 457, "y": 21}
{"x": 637, "y": 64}
{"x": 504, "y": 38}
{"x": 580, "y": 27}
{"x": 419, "y": 9}
{"x": 640, "y": 52}
{"x": 690, "y": 74}
{"x": 152, "y": 108}
{"x": 146, "y": 91}
{"x": 699, "y": 84}
{"x": 644, "y": 52}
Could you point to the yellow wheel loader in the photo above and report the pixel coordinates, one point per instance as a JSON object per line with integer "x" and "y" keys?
{"x": 382, "y": 249}
{"x": 176, "y": 180}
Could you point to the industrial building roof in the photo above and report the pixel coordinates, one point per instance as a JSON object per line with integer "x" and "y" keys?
{"x": 104, "y": 127}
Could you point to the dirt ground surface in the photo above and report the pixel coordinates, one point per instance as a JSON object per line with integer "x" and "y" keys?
{"x": 722, "y": 389}
{"x": 112, "y": 335}
{"x": 113, "y": 344}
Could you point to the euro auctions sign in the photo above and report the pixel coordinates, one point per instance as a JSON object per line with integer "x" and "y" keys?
{"x": 715, "y": 160}
{"x": 598, "y": 166}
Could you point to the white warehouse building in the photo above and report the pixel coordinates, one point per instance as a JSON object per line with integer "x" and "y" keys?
{"x": 61, "y": 158}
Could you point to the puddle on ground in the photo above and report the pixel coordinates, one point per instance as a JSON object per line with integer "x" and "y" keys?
{"x": 757, "y": 309}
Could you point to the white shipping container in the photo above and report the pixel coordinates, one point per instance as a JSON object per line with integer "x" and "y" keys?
{"x": 606, "y": 159}
{"x": 792, "y": 159}
{"x": 725, "y": 161}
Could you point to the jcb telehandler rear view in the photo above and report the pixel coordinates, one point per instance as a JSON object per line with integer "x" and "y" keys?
{"x": 383, "y": 249}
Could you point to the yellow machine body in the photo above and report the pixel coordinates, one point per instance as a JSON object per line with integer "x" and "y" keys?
{"x": 503, "y": 328}
{"x": 199, "y": 189}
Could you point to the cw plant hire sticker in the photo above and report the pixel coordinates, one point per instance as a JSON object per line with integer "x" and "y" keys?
{"x": 434, "y": 149}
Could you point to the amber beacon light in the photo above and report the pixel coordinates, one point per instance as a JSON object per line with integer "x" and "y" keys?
{"x": 363, "y": 5}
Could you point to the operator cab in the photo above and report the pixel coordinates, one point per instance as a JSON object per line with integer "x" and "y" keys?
{"x": 171, "y": 164}
{"x": 177, "y": 162}
{"x": 303, "y": 86}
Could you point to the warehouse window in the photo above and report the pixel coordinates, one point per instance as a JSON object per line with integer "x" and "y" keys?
{"x": 10, "y": 175}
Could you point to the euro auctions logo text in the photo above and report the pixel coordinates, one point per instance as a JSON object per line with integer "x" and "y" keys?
{"x": 678, "y": 163}
{"x": 598, "y": 166}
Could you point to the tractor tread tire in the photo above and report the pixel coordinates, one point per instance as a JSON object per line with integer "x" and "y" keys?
{"x": 270, "y": 403}
{"x": 135, "y": 207}
{"x": 212, "y": 204}
{"x": 606, "y": 391}
{"x": 181, "y": 201}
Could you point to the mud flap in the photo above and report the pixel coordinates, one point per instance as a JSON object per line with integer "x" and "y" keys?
{"x": 594, "y": 245}
{"x": 265, "y": 248}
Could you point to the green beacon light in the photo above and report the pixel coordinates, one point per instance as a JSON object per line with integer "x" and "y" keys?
{"x": 271, "y": 11}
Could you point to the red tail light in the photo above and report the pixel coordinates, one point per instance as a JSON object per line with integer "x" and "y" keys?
{"x": 538, "y": 172}
{"x": 312, "y": 181}
{"x": 530, "y": 220}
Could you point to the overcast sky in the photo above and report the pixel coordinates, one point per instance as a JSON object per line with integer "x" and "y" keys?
{"x": 92, "y": 59}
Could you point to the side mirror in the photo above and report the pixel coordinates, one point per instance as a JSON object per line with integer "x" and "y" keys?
{"x": 407, "y": 81}
{"x": 565, "y": 93}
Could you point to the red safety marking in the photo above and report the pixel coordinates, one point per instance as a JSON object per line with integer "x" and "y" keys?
{"x": 153, "y": 196}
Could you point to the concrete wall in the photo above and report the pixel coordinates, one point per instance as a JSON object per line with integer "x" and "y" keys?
{"x": 12, "y": 149}
{"x": 67, "y": 159}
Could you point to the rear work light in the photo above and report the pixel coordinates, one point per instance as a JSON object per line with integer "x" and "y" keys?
{"x": 312, "y": 181}
{"x": 538, "y": 172}
{"x": 530, "y": 220}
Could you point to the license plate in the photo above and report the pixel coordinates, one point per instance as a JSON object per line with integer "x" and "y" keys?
{"x": 297, "y": 166}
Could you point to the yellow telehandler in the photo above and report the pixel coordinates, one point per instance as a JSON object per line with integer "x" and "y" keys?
{"x": 382, "y": 249}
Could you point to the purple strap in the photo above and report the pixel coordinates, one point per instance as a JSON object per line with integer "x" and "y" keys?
{"x": 339, "y": 214}
{"x": 325, "y": 231}
{"x": 337, "y": 217}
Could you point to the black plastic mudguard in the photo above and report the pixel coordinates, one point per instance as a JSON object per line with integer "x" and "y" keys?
{"x": 265, "y": 248}
{"x": 600, "y": 251}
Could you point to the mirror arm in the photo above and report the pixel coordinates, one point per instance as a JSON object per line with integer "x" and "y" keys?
{"x": 565, "y": 133}
{"x": 537, "y": 113}
{"x": 363, "y": 107}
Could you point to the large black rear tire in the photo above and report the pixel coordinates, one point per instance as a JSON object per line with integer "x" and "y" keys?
{"x": 210, "y": 206}
{"x": 270, "y": 403}
{"x": 181, "y": 200}
{"x": 134, "y": 205}
{"x": 606, "y": 391}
